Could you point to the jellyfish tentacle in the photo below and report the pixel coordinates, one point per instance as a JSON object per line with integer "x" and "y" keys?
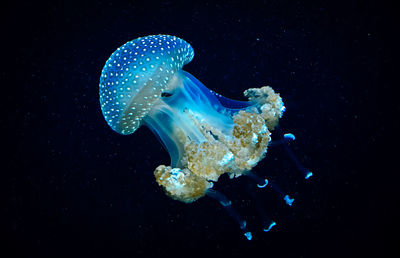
{"x": 227, "y": 204}
{"x": 268, "y": 223}
{"x": 306, "y": 173}
{"x": 261, "y": 183}
{"x": 284, "y": 141}
{"x": 274, "y": 186}
{"x": 288, "y": 200}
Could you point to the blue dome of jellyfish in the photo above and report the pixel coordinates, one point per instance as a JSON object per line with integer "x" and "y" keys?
{"x": 206, "y": 134}
{"x": 139, "y": 68}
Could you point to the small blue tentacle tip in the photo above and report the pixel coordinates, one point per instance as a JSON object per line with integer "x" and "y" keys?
{"x": 264, "y": 185}
{"x": 273, "y": 223}
{"x": 289, "y": 136}
{"x": 226, "y": 203}
{"x": 288, "y": 200}
{"x": 308, "y": 175}
{"x": 248, "y": 235}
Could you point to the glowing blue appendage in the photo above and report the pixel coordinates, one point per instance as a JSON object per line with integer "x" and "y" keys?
{"x": 248, "y": 235}
{"x": 264, "y": 185}
{"x": 273, "y": 223}
{"x": 289, "y": 136}
{"x": 288, "y": 200}
{"x": 308, "y": 175}
{"x": 226, "y": 203}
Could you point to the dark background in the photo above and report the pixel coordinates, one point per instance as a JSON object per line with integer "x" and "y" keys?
{"x": 75, "y": 188}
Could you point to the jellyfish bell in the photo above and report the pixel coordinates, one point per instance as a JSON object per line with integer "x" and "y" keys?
{"x": 136, "y": 74}
{"x": 206, "y": 134}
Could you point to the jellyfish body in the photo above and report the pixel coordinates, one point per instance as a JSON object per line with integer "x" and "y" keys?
{"x": 206, "y": 134}
{"x": 204, "y": 138}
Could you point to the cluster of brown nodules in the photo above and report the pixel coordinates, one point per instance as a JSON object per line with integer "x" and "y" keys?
{"x": 220, "y": 153}
{"x": 272, "y": 106}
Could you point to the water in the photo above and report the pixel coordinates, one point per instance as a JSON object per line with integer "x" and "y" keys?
{"x": 73, "y": 186}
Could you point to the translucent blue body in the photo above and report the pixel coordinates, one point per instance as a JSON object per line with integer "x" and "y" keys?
{"x": 190, "y": 95}
{"x": 205, "y": 134}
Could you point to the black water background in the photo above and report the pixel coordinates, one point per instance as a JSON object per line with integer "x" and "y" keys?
{"x": 75, "y": 188}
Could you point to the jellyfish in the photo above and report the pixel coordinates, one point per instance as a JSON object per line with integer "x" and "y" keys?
{"x": 206, "y": 135}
